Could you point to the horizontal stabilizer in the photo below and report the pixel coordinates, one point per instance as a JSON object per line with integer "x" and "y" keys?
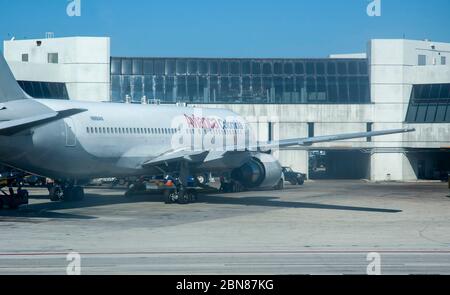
{"x": 12, "y": 127}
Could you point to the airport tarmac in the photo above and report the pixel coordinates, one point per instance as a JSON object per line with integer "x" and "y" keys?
{"x": 324, "y": 227}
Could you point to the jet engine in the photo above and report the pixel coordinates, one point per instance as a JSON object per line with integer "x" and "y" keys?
{"x": 262, "y": 171}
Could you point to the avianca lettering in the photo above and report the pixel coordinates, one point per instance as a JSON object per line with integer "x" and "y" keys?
{"x": 211, "y": 123}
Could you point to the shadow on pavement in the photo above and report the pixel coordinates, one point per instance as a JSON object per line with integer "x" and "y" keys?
{"x": 47, "y": 209}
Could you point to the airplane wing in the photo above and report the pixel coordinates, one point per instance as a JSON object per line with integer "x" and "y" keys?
{"x": 8, "y": 128}
{"x": 176, "y": 156}
{"x": 320, "y": 139}
{"x": 199, "y": 156}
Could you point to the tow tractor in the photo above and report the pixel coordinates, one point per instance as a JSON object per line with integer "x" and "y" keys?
{"x": 10, "y": 198}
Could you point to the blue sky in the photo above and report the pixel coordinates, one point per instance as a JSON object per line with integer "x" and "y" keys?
{"x": 231, "y": 28}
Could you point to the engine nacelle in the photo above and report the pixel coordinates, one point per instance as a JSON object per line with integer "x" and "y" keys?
{"x": 262, "y": 171}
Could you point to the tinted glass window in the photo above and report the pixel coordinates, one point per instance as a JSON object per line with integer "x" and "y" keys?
{"x": 137, "y": 67}
{"x": 431, "y": 102}
{"x": 192, "y": 67}
{"x": 422, "y": 60}
{"x": 267, "y": 68}
{"x": 431, "y": 113}
{"x": 342, "y": 68}
{"x": 50, "y": 90}
{"x": 278, "y": 68}
{"x": 256, "y": 68}
{"x": 246, "y": 67}
{"x": 440, "y": 112}
{"x": 299, "y": 68}
{"x": 181, "y": 67}
{"x": 159, "y": 67}
{"x": 126, "y": 67}
{"x": 213, "y": 68}
{"x": 116, "y": 66}
{"x": 329, "y": 81}
{"x": 148, "y": 67}
{"x": 224, "y": 70}
{"x": 310, "y": 68}
{"x": 435, "y": 91}
{"x": 320, "y": 67}
{"x": 234, "y": 68}
{"x": 203, "y": 67}
{"x": 331, "y": 68}
{"x": 288, "y": 68}
{"x": 445, "y": 91}
{"x": 363, "y": 68}
{"x": 170, "y": 67}
{"x": 352, "y": 68}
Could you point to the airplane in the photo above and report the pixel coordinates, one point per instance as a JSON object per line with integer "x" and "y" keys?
{"x": 75, "y": 141}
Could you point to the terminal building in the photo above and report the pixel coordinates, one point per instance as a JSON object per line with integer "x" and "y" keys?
{"x": 395, "y": 84}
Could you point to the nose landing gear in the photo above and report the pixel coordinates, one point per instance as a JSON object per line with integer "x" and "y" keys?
{"x": 13, "y": 199}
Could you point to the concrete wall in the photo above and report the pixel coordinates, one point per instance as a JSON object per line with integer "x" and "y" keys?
{"x": 394, "y": 70}
{"x": 84, "y": 64}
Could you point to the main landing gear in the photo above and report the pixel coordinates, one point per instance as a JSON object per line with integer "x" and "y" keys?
{"x": 13, "y": 199}
{"x": 180, "y": 195}
{"x": 65, "y": 192}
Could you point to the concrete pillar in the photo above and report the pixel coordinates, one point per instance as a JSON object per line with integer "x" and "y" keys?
{"x": 391, "y": 167}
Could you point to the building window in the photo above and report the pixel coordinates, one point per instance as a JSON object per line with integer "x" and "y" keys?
{"x": 241, "y": 81}
{"x": 53, "y": 58}
{"x": 310, "y": 129}
{"x": 369, "y": 129}
{"x": 430, "y": 103}
{"x": 443, "y": 60}
{"x": 49, "y": 90}
{"x": 422, "y": 60}
{"x": 25, "y": 57}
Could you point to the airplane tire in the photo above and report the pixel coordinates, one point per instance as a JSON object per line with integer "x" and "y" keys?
{"x": 23, "y": 195}
{"x": 168, "y": 197}
{"x": 183, "y": 198}
{"x": 55, "y": 194}
{"x": 68, "y": 194}
{"x": 193, "y": 197}
{"x": 78, "y": 193}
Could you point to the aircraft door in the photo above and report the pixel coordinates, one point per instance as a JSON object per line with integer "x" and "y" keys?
{"x": 71, "y": 139}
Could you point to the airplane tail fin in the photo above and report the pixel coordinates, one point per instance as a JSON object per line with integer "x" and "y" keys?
{"x": 9, "y": 88}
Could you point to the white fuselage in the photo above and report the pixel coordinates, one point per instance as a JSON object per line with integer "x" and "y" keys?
{"x": 112, "y": 139}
